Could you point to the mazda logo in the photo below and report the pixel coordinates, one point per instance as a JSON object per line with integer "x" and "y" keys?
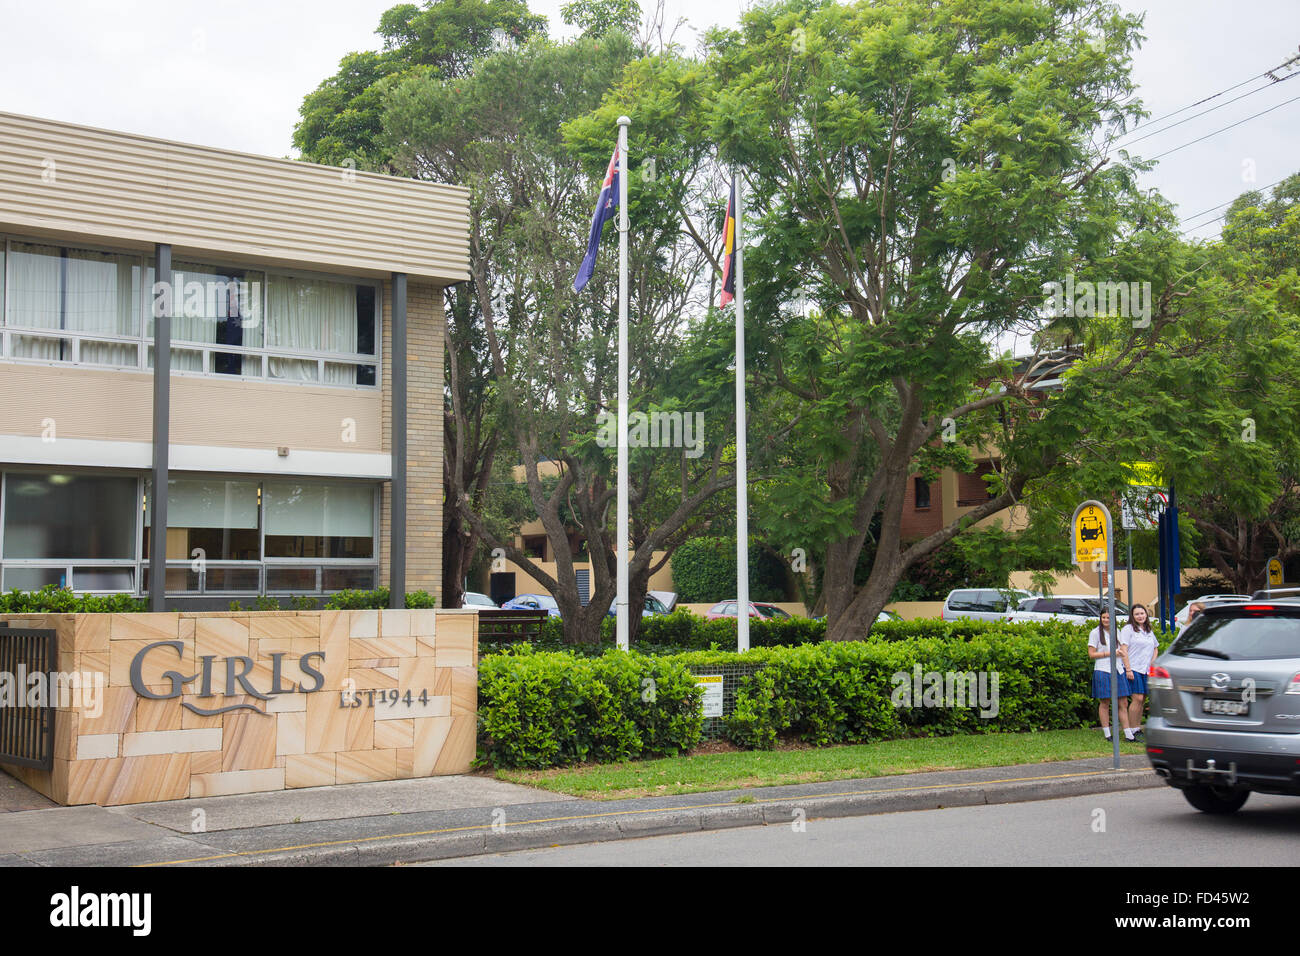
{"x": 1220, "y": 680}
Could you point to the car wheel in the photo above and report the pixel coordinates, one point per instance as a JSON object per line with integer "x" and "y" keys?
{"x": 1216, "y": 799}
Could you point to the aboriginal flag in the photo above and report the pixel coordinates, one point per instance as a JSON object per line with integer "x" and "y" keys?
{"x": 605, "y": 206}
{"x": 729, "y": 250}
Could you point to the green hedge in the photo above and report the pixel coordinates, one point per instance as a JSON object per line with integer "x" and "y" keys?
{"x": 704, "y": 571}
{"x": 541, "y": 709}
{"x": 378, "y": 598}
{"x": 55, "y": 600}
{"x": 549, "y": 709}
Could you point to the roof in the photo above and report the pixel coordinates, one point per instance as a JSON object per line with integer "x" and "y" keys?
{"x": 63, "y": 181}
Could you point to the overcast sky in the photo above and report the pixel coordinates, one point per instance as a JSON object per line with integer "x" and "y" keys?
{"x": 233, "y": 73}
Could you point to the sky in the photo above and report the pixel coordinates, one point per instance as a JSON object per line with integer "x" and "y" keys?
{"x": 232, "y": 74}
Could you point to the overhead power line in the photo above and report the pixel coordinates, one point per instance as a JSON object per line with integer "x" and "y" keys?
{"x": 1224, "y": 129}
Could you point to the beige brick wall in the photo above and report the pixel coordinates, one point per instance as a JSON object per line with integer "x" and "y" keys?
{"x": 425, "y": 338}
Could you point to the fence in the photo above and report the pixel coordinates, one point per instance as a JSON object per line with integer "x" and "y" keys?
{"x": 27, "y": 732}
{"x": 732, "y": 675}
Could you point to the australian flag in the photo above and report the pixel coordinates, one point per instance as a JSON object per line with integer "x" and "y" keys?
{"x": 605, "y": 206}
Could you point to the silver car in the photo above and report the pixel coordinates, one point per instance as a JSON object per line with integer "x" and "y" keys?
{"x": 1225, "y": 705}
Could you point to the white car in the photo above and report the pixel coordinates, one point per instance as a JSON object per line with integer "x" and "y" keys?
{"x": 982, "y": 604}
{"x": 1209, "y": 600}
{"x": 1079, "y": 608}
{"x": 475, "y": 599}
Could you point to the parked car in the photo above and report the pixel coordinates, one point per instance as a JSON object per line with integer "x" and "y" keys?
{"x": 1180, "y": 618}
{"x": 652, "y": 607}
{"x": 475, "y": 599}
{"x": 667, "y": 598}
{"x": 1079, "y": 608}
{"x": 888, "y": 616}
{"x": 533, "y": 602}
{"x": 982, "y": 604}
{"x": 1225, "y": 705}
{"x": 757, "y": 609}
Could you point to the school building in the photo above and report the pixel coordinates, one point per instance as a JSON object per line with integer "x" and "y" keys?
{"x": 222, "y": 326}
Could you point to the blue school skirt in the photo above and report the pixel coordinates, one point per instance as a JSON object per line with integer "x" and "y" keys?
{"x": 1101, "y": 685}
{"x": 1138, "y": 685}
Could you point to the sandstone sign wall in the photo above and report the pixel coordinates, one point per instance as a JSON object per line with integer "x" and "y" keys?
{"x": 202, "y": 704}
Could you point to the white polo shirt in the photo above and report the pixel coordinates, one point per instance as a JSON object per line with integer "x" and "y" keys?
{"x": 1103, "y": 663}
{"x": 1142, "y": 647}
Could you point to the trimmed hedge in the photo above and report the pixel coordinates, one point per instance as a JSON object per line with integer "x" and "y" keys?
{"x": 549, "y": 709}
{"x": 378, "y": 598}
{"x": 55, "y": 600}
{"x": 539, "y": 709}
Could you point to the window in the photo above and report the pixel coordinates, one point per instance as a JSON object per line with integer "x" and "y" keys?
{"x": 211, "y": 305}
{"x": 218, "y": 518}
{"x": 320, "y": 316}
{"x": 79, "y": 305}
{"x": 972, "y": 489}
{"x": 535, "y": 546}
{"x": 68, "y": 304}
{"x": 922, "y": 493}
{"x": 69, "y": 530}
{"x": 309, "y": 520}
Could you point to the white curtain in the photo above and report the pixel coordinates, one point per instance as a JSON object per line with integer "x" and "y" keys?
{"x": 311, "y": 315}
{"x": 35, "y": 298}
{"x": 103, "y": 298}
{"x": 203, "y": 299}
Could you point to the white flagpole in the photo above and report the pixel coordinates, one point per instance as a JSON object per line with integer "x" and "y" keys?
{"x": 742, "y": 486}
{"x": 621, "y": 609}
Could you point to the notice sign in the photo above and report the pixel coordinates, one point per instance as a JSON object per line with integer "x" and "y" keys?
{"x": 711, "y": 684}
{"x": 1091, "y": 528}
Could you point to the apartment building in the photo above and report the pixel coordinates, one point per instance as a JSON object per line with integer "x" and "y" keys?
{"x": 297, "y": 456}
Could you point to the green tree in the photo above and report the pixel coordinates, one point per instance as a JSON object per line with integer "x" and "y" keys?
{"x": 918, "y": 172}
{"x": 342, "y": 119}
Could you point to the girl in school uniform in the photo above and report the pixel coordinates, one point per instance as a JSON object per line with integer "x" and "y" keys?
{"x": 1099, "y": 651}
{"x": 1142, "y": 650}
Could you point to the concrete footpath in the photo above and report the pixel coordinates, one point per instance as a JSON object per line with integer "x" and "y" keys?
{"x": 409, "y": 821}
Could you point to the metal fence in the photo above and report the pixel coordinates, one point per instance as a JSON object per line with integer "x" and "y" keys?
{"x": 732, "y": 675}
{"x": 27, "y": 732}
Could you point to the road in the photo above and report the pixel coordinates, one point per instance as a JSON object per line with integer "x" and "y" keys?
{"x": 1157, "y": 826}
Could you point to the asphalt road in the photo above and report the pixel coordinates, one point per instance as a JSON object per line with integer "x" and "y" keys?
{"x": 1156, "y": 826}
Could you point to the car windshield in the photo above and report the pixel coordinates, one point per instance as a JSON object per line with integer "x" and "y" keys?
{"x": 767, "y": 610}
{"x": 1253, "y": 637}
{"x": 652, "y": 603}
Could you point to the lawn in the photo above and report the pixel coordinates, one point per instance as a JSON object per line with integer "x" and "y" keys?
{"x": 728, "y": 769}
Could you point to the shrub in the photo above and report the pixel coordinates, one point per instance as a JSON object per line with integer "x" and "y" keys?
{"x": 376, "y": 599}
{"x": 544, "y": 709}
{"x": 704, "y": 570}
{"x": 55, "y": 600}
{"x": 549, "y": 709}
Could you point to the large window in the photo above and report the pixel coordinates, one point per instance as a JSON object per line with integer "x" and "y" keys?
{"x": 88, "y": 307}
{"x": 71, "y": 530}
{"x": 224, "y": 535}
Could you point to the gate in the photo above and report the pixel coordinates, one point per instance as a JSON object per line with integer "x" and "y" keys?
{"x": 27, "y": 733}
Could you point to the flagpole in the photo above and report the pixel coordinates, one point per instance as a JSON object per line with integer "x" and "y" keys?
{"x": 742, "y": 486}
{"x": 621, "y": 609}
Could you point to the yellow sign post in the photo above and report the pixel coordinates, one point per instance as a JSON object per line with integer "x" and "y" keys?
{"x": 1274, "y": 572}
{"x": 1091, "y": 533}
{"x": 1091, "y": 543}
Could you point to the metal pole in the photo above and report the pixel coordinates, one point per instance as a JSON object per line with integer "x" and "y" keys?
{"x": 1128, "y": 535}
{"x": 742, "y": 488}
{"x": 1114, "y": 642}
{"x": 162, "y": 380}
{"x": 397, "y": 509}
{"x": 621, "y": 608}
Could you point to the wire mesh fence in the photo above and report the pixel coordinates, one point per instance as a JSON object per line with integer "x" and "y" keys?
{"x": 732, "y": 675}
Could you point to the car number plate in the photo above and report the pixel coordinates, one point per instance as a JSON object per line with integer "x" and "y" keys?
{"x": 1236, "y": 707}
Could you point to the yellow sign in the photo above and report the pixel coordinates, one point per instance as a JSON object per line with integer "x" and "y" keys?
{"x": 1090, "y": 535}
{"x": 1144, "y": 473}
{"x": 1274, "y": 572}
